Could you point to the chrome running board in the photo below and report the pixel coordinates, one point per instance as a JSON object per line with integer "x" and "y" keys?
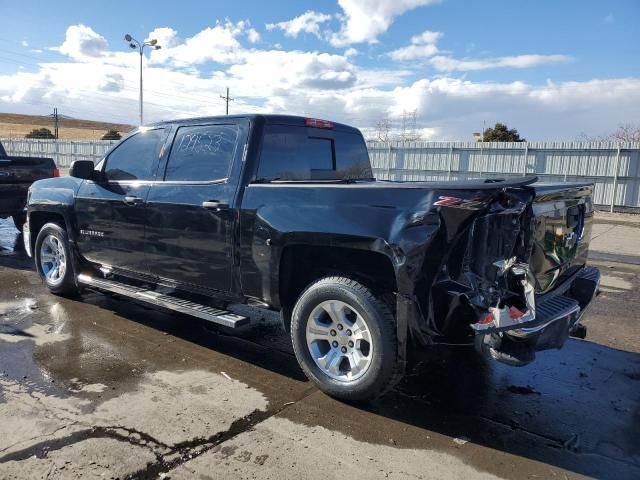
{"x": 205, "y": 312}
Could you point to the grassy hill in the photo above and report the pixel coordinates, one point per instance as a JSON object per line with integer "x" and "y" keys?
{"x": 16, "y": 125}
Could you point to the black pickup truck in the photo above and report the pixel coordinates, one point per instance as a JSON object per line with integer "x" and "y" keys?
{"x": 283, "y": 212}
{"x": 16, "y": 175}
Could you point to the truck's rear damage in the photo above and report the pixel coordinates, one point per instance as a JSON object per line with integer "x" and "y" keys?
{"x": 514, "y": 280}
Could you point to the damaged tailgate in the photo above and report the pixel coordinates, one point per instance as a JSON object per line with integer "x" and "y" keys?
{"x": 515, "y": 271}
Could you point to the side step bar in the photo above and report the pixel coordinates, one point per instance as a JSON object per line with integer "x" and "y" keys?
{"x": 211, "y": 314}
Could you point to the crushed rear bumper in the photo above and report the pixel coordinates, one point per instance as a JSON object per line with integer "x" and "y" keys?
{"x": 557, "y": 317}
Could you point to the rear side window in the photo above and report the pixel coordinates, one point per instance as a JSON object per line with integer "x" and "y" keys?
{"x": 202, "y": 153}
{"x": 301, "y": 153}
{"x": 135, "y": 157}
{"x": 352, "y": 157}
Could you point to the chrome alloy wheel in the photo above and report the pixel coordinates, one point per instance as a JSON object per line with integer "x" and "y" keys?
{"x": 339, "y": 341}
{"x": 53, "y": 261}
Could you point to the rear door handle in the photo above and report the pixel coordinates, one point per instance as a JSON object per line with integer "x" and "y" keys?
{"x": 215, "y": 205}
{"x": 131, "y": 200}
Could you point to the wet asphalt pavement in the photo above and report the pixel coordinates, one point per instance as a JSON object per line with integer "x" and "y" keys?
{"x": 100, "y": 387}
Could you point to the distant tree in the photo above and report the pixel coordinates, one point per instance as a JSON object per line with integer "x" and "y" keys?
{"x": 624, "y": 133}
{"x": 111, "y": 135}
{"x": 383, "y": 129}
{"x": 40, "y": 133}
{"x": 500, "y": 133}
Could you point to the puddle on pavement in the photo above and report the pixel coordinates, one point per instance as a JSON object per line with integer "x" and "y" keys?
{"x": 67, "y": 347}
{"x": 10, "y": 239}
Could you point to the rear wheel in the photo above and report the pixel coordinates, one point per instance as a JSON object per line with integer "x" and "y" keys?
{"x": 53, "y": 259}
{"x": 345, "y": 339}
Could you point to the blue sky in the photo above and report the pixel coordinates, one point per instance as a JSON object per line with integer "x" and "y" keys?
{"x": 552, "y": 69}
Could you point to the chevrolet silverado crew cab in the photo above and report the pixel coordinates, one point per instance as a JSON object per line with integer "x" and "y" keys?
{"x": 283, "y": 212}
{"x": 16, "y": 175}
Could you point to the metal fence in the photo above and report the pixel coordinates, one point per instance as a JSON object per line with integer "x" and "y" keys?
{"x": 613, "y": 168}
{"x": 63, "y": 152}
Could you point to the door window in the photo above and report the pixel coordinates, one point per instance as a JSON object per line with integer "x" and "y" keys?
{"x": 134, "y": 158}
{"x": 202, "y": 153}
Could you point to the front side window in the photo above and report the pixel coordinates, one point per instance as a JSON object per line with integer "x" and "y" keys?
{"x": 134, "y": 158}
{"x": 202, "y": 153}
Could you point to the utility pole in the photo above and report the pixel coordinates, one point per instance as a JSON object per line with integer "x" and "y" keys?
{"x": 227, "y": 99}
{"x": 408, "y": 133}
{"x": 55, "y": 122}
{"x": 383, "y": 127}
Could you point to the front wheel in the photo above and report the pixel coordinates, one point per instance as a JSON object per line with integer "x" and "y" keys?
{"x": 345, "y": 339}
{"x": 53, "y": 259}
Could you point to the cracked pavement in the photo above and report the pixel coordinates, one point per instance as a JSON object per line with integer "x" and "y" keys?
{"x": 100, "y": 387}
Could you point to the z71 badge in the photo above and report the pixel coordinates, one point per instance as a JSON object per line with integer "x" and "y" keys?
{"x": 455, "y": 202}
{"x": 92, "y": 233}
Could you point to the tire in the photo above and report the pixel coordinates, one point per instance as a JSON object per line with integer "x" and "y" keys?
{"x": 362, "y": 372}
{"x": 57, "y": 249}
{"x": 19, "y": 220}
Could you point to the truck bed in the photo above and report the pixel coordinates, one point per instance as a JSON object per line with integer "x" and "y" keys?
{"x": 16, "y": 175}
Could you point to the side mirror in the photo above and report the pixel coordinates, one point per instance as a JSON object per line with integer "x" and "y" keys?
{"x": 84, "y": 169}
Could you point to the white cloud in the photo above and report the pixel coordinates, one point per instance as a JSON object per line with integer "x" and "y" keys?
{"x": 82, "y": 42}
{"x": 365, "y": 20}
{"x": 350, "y": 52}
{"x": 308, "y": 22}
{"x": 167, "y": 37}
{"x": 427, "y": 37}
{"x": 450, "y": 64}
{"x": 253, "y": 35}
{"x": 422, "y": 46}
{"x": 101, "y": 84}
{"x": 24, "y": 43}
{"x": 290, "y": 69}
{"x": 412, "y": 52}
{"x": 213, "y": 44}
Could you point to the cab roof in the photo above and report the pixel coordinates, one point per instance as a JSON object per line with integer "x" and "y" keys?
{"x": 293, "y": 120}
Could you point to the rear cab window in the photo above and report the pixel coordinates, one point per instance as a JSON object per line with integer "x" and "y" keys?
{"x": 297, "y": 153}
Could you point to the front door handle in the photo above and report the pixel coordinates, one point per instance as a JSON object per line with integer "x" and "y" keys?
{"x": 131, "y": 200}
{"x": 215, "y": 205}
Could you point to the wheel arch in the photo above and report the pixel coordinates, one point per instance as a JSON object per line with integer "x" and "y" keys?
{"x": 302, "y": 264}
{"x": 39, "y": 218}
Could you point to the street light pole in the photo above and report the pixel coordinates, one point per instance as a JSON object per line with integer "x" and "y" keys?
{"x": 141, "y": 121}
{"x": 133, "y": 43}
